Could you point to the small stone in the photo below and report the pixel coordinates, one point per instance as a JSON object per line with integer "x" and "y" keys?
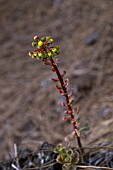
{"x": 91, "y": 39}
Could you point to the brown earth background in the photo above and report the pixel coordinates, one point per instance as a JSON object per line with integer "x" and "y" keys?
{"x": 30, "y": 111}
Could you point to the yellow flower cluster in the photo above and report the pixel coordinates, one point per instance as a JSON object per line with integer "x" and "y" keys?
{"x": 44, "y": 50}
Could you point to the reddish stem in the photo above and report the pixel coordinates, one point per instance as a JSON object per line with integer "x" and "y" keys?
{"x": 68, "y": 104}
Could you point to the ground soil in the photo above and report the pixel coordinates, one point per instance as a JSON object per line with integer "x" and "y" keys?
{"x": 30, "y": 111}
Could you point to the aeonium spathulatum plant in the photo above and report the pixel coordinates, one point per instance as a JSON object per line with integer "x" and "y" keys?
{"x": 48, "y": 54}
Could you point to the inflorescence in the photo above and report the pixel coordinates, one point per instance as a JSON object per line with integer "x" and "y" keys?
{"x": 44, "y": 51}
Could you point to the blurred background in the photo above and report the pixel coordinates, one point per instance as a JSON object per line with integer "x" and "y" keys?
{"x": 30, "y": 111}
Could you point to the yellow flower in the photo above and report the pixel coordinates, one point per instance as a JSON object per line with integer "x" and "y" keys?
{"x": 50, "y": 54}
{"x": 54, "y": 50}
{"x": 40, "y": 54}
{"x": 35, "y": 54}
{"x": 32, "y": 56}
{"x": 40, "y": 43}
{"x": 51, "y": 40}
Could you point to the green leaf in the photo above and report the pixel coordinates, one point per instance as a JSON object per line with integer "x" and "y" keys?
{"x": 84, "y": 128}
{"x": 70, "y": 152}
{"x": 68, "y": 159}
{"x": 59, "y": 149}
{"x": 63, "y": 157}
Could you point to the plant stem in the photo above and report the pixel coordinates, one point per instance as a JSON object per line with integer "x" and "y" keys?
{"x": 68, "y": 104}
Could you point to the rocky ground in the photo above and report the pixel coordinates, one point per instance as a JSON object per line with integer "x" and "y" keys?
{"x": 30, "y": 111}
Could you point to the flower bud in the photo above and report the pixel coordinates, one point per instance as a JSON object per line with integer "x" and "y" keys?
{"x": 31, "y": 54}
{"x": 36, "y": 38}
{"x": 34, "y": 44}
{"x": 53, "y": 69}
{"x": 57, "y": 47}
{"x": 43, "y": 39}
{"x": 48, "y": 38}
